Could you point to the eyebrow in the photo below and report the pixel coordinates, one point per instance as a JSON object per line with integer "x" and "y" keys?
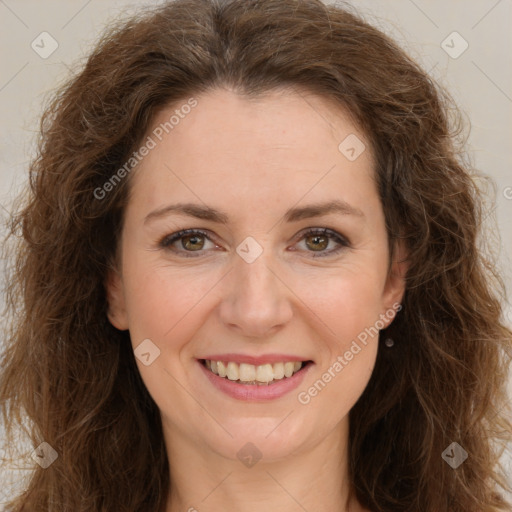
{"x": 292, "y": 215}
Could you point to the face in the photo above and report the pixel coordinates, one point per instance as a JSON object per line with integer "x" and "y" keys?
{"x": 266, "y": 280}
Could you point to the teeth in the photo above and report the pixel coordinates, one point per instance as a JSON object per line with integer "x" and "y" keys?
{"x": 249, "y": 373}
{"x": 221, "y": 369}
{"x": 288, "y": 369}
{"x": 278, "y": 370}
{"x": 265, "y": 373}
{"x": 232, "y": 372}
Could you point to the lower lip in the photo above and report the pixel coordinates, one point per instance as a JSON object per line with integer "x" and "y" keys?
{"x": 255, "y": 392}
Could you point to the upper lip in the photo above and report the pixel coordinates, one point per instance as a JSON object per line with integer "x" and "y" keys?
{"x": 255, "y": 360}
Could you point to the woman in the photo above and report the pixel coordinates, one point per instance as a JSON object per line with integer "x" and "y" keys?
{"x": 248, "y": 277}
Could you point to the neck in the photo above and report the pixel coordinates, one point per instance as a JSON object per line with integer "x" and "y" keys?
{"x": 314, "y": 477}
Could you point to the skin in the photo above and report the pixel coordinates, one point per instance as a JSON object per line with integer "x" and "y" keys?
{"x": 255, "y": 159}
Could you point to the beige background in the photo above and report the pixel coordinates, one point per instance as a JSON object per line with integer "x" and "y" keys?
{"x": 480, "y": 78}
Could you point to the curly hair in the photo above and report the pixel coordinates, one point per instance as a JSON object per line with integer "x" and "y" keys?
{"x": 69, "y": 377}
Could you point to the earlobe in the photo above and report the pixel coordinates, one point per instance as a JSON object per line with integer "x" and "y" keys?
{"x": 116, "y": 312}
{"x": 395, "y": 284}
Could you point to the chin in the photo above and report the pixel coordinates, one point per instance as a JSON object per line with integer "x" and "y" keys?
{"x": 271, "y": 439}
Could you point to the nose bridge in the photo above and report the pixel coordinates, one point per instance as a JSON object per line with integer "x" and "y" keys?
{"x": 256, "y": 301}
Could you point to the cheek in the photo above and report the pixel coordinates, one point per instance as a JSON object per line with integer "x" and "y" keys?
{"x": 348, "y": 309}
{"x": 162, "y": 299}
{"x": 339, "y": 385}
{"x": 345, "y": 301}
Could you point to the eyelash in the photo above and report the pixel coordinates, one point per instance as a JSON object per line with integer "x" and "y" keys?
{"x": 168, "y": 240}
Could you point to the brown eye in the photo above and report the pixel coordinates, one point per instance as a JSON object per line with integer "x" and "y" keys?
{"x": 192, "y": 242}
{"x": 317, "y": 242}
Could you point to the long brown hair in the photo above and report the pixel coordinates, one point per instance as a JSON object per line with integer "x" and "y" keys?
{"x": 70, "y": 376}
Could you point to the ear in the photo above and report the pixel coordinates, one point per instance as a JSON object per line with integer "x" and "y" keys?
{"x": 114, "y": 288}
{"x": 394, "y": 288}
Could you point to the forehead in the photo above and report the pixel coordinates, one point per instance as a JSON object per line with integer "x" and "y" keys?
{"x": 272, "y": 149}
{"x": 276, "y": 118}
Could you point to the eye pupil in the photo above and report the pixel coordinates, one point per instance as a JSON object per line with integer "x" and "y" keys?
{"x": 185, "y": 239}
{"x": 319, "y": 245}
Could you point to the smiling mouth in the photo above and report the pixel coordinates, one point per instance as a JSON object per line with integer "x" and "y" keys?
{"x": 248, "y": 374}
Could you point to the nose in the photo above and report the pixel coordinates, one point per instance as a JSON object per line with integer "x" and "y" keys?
{"x": 256, "y": 301}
